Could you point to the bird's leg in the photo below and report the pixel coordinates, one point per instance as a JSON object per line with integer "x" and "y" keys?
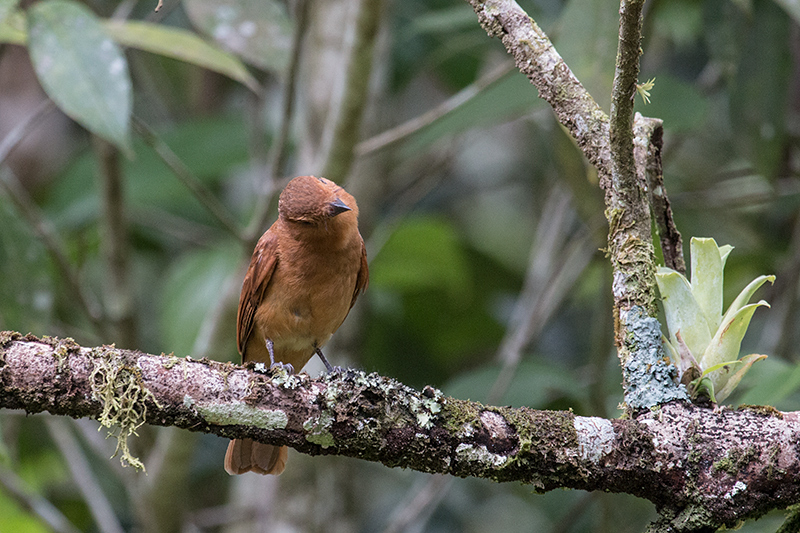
{"x": 277, "y": 364}
{"x": 325, "y": 361}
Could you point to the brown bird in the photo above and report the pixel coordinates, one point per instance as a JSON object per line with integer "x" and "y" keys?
{"x": 305, "y": 274}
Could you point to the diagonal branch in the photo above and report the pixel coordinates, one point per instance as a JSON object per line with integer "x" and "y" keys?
{"x": 15, "y": 488}
{"x": 44, "y": 231}
{"x": 608, "y": 143}
{"x": 188, "y": 179}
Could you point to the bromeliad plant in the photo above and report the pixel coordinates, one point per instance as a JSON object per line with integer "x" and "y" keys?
{"x": 704, "y": 343}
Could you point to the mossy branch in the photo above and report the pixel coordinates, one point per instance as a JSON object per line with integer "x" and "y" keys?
{"x": 537, "y": 58}
{"x": 734, "y": 459}
{"x": 608, "y": 143}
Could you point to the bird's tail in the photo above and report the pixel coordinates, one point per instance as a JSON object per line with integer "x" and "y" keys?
{"x": 247, "y": 455}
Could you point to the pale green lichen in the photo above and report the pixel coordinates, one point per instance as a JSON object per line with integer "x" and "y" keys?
{"x": 425, "y": 410}
{"x": 318, "y": 429}
{"x": 424, "y": 407}
{"x": 479, "y": 454}
{"x": 119, "y": 388}
{"x": 240, "y": 414}
{"x": 282, "y": 378}
{"x": 650, "y": 377}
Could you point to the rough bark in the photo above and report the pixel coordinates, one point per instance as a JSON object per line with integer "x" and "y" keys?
{"x": 719, "y": 464}
{"x": 608, "y": 143}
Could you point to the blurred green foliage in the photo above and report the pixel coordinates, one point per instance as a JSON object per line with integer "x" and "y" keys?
{"x": 456, "y": 216}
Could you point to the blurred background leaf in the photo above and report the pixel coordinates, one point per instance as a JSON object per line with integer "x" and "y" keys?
{"x": 179, "y": 44}
{"x": 81, "y": 69}
{"x": 258, "y": 30}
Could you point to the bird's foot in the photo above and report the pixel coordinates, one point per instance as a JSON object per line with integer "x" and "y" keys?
{"x": 273, "y": 364}
{"x": 281, "y": 366}
{"x": 331, "y": 369}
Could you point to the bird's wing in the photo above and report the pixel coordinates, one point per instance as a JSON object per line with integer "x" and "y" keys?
{"x": 362, "y": 279}
{"x": 262, "y": 265}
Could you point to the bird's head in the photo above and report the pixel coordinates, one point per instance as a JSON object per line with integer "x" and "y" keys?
{"x": 312, "y": 202}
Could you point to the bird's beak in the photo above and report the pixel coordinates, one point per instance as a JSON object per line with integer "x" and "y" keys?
{"x": 337, "y": 207}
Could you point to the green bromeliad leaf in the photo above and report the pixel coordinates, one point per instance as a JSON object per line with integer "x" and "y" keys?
{"x": 727, "y": 341}
{"x": 703, "y": 342}
{"x": 746, "y": 362}
{"x": 746, "y": 294}
{"x": 684, "y": 314}
{"x": 708, "y": 262}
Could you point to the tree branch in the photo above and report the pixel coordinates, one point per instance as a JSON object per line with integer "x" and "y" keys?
{"x": 39, "y": 506}
{"x": 648, "y": 378}
{"x": 41, "y": 227}
{"x": 408, "y": 128}
{"x": 649, "y": 133}
{"x": 78, "y": 464}
{"x": 727, "y": 465}
{"x": 537, "y": 58}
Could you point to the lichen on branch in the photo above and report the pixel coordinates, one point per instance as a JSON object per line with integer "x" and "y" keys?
{"x": 374, "y": 418}
{"x": 608, "y": 143}
{"x": 118, "y": 386}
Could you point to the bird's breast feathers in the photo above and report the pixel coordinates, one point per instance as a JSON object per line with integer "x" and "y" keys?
{"x": 315, "y": 306}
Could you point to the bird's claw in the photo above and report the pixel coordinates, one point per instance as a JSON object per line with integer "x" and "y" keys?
{"x": 281, "y": 366}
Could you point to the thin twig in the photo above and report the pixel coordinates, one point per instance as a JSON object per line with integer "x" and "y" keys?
{"x": 404, "y": 130}
{"x": 12, "y": 139}
{"x": 340, "y": 157}
{"x": 171, "y": 460}
{"x": 26, "y": 207}
{"x": 179, "y": 228}
{"x": 187, "y": 177}
{"x": 103, "y": 448}
{"x": 115, "y": 245}
{"x": 553, "y": 270}
{"x": 82, "y": 474}
{"x": 420, "y": 505}
{"x": 551, "y": 231}
{"x": 399, "y": 208}
{"x": 280, "y": 148}
{"x": 47, "y": 235}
